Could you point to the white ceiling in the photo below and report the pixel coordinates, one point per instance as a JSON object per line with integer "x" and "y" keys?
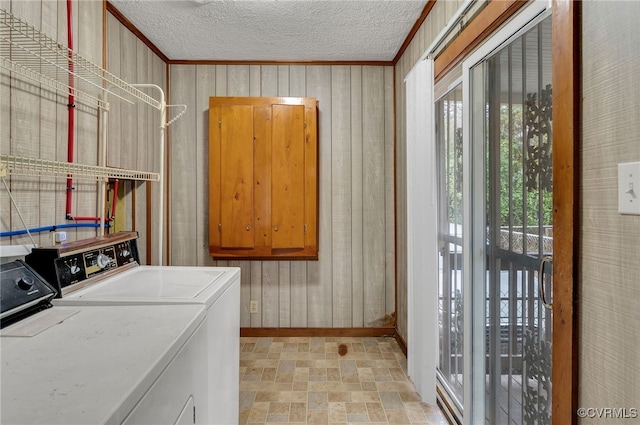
{"x": 274, "y": 30}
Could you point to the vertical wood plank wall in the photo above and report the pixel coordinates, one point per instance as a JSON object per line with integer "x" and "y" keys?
{"x": 133, "y": 130}
{"x": 352, "y": 284}
{"x": 33, "y": 123}
{"x": 609, "y": 274}
{"x": 436, "y": 20}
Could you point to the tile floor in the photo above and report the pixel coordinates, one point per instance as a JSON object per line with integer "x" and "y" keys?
{"x": 307, "y": 380}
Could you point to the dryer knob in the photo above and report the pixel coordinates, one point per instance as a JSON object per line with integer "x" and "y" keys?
{"x": 103, "y": 261}
{"x": 25, "y": 283}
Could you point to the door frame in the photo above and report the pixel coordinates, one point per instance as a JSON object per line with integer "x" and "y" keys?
{"x": 566, "y": 83}
{"x": 566, "y": 109}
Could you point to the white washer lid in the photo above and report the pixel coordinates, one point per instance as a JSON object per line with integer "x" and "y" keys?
{"x": 147, "y": 282}
{"x": 94, "y": 366}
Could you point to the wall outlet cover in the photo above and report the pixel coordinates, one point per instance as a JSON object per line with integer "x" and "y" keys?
{"x": 629, "y": 188}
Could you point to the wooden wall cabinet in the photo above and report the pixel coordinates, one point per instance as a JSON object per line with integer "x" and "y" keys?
{"x": 263, "y": 178}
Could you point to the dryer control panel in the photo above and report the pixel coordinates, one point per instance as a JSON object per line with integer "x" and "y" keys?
{"x": 22, "y": 292}
{"x": 80, "y": 263}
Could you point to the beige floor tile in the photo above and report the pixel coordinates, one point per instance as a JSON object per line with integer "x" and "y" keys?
{"x": 267, "y": 396}
{"x": 248, "y": 347}
{"x": 298, "y": 412}
{"x": 268, "y": 374}
{"x": 303, "y": 347}
{"x": 283, "y": 386}
{"x": 300, "y": 386}
{"x": 290, "y": 347}
{"x": 293, "y": 396}
{"x": 337, "y": 413}
{"x": 365, "y": 396}
{"x": 376, "y": 412}
{"x": 279, "y": 408}
{"x": 366, "y": 363}
{"x": 397, "y": 417}
{"x": 325, "y": 386}
{"x": 331, "y": 363}
{"x": 409, "y": 396}
{"x": 317, "y": 417}
{"x": 246, "y": 399}
{"x": 356, "y": 409}
{"x": 243, "y": 417}
{"x": 330, "y": 347}
{"x": 301, "y": 374}
{"x": 294, "y": 356}
{"x": 339, "y": 396}
{"x": 355, "y": 386}
{"x": 366, "y": 374}
{"x": 284, "y": 377}
{"x": 391, "y": 400}
{"x": 350, "y": 377}
{"x": 369, "y": 386}
{"x": 394, "y": 386}
{"x": 317, "y": 401}
{"x": 258, "y": 413}
{"x": 415, "y": 412}
{"x": 267, "y": 363}
{"x": 397, "y": 374}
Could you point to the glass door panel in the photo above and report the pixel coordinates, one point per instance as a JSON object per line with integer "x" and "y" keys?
{"x": 513, "y": 123}
{"x": 450, "y": 234}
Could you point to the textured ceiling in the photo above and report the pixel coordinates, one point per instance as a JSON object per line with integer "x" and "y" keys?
{"x": 275, "y": 30}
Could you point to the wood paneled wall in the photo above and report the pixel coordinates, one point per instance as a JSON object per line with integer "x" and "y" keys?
{"x": 436, "y": 20}
{"x": 134, "y": 130}
{"x": 609, "y": 255}
{"x": 33, "y": 123}
{"x": 353, "y": 282}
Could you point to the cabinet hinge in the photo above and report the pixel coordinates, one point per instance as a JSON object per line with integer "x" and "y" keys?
{"x": 305, "y": 125}
{"x": 219, "y": 124}
{"x": 305, "y": 228}
{"x": 220, "y": 227}
{"x": 194, "y": 414}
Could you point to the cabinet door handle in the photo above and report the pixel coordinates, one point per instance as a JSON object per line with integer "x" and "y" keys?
{"x": 541, "y": 289}
{"x": 248, "y": 228}
{"x": 275, "y": 228}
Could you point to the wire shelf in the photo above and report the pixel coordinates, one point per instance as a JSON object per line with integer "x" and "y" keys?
{"x": 26, "y": 51}
{"x": 17, "y": 165}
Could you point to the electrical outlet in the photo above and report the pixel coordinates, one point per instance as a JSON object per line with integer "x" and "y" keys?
{"x": 253, "y": 306}
{"x": 58, "y": 237}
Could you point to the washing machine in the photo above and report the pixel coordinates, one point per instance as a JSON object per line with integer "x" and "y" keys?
{"x": 105, "y": 271}
{"x": 100, "y": 364}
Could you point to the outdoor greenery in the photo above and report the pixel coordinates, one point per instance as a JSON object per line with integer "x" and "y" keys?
{"x": 514, "y": 202}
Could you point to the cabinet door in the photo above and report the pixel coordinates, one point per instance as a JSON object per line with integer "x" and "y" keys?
{"x": 287, "y": 177}
{"x": 233, "y": 180}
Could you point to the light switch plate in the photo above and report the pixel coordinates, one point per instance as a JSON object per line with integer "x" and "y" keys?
{"x": 629, "y": 188}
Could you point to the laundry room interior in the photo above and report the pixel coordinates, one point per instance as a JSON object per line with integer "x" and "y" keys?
{"x": 277, "y": 194}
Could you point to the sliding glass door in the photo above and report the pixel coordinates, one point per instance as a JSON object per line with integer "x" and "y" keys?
{"x": 495, "y": 231}
{"x": 511, "y": 135}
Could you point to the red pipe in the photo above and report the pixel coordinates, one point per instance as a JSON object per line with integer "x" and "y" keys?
{"x": 77, "y": 218}
{"x": 71, "y": 106}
